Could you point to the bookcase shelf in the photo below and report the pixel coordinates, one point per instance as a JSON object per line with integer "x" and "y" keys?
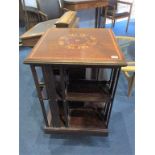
{"x": 81, "y": 121}
{"x": 88, "y": 91}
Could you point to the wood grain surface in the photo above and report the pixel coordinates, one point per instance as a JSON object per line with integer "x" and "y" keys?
{"x": 84, "y": 4}
{"x": 77, "y": 46}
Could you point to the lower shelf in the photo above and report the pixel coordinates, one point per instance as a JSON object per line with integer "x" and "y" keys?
{"x": 63, "y": 130}
{"x": 82, "y": 122}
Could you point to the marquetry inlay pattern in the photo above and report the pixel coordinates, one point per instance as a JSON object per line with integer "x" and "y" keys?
{"x": 77, "y": 41}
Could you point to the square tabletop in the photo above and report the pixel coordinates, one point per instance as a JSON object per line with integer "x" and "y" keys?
{"x": 77, "y": 46}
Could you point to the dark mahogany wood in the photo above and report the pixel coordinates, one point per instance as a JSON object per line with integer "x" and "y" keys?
{"x": 76, "y": 105}
{"x": 84, "y": 4}
{"x": 34, "y": 73}
{"x": 51, "y": 91}
{"x": 77, "y": 47}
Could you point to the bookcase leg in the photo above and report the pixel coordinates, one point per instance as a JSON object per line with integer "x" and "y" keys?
{"x": 44, "y": 112}
{"x": 35, "y": 77}
{"x": 111, "y": 77}
{"x": 115, "y": 78}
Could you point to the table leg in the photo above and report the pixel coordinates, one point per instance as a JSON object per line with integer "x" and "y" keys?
{"x": 105, "y": 16}
{"x": 99, "y": 18}
{"x": 94, "y": 72}
{"x": 96, "y": 17}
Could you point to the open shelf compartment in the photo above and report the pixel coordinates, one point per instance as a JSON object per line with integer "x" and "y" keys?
{"x": 88, "y": 90}
{"x": 82, "y": 121}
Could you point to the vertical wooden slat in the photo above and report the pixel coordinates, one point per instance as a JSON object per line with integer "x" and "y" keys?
{"x": 65, "y": 105}
{"x": 35, "y": 77}
{"x": 51, "y": 91}
{"x": 111, "y": 77}
{"x": 113, "y": 91}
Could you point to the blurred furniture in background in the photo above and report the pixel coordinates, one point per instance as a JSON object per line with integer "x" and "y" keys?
{"x": 31, "y": 37}
{"x": 49, "y": 7}
{"x": 113, "y": 13}
{"x": 127, "y": 45}
{"x": 33, "y": 15}
{"x": 77, "y": 5}
{"x": 21, "y": 14}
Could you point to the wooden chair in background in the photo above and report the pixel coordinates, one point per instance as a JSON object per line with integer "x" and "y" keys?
{"x": 113, "y": 14}
{"x": 61, "y": 5}
{"x": 127, "y": 44}
{"x": 33, "y": 15}
{"x": 67, "y": 20}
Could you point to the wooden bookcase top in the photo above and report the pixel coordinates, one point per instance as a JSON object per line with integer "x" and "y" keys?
{"x": 76, "y": 46}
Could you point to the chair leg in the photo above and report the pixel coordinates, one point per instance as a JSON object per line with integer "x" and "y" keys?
{"x": 127, "y": 24}
{"x": 130, "y": 84}
{"x": 105, "y": 16}
{"x": 99, "y": 18}
{"x": 96, "y": 15}
{"x": 114, "y": 23}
